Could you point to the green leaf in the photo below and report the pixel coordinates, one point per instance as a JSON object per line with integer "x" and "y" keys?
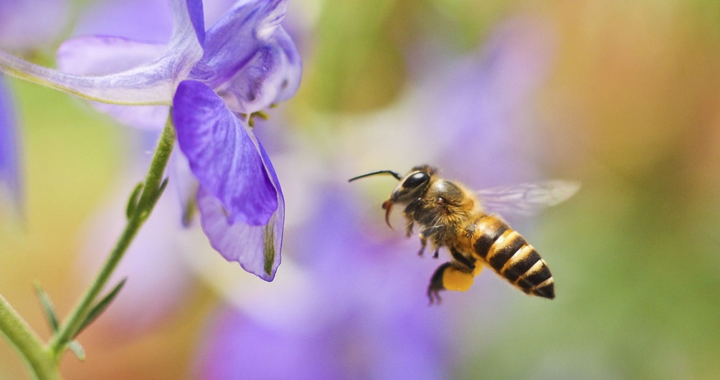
{"x": 160, "y": 190}
{"x": 133, "y": 201}
{"x": 75, "y": 347}
{"x": 48, "y": 308}
{"x": 154, "y": 198}
{"x": 100, "y": 307}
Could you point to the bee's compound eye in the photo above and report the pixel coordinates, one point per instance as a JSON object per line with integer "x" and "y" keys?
{"x": 416, "y": 180}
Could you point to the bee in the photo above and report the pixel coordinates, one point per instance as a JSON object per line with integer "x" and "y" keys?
{"x": 451, "y": 216}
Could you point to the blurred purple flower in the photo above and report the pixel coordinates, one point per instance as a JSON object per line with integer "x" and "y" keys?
{"x": 362, "y": 315}
{"x": 10, "y": 182}
{"x": 152, "y": 296}
{"x": 24, "y": 26}
{"x": 488, "y": 104}
{"x": 243, "y": 64}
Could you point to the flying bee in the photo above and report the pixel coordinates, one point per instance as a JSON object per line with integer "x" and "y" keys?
{"x": 451, "y": 216}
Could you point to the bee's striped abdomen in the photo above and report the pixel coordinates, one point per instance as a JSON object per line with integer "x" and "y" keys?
{"x": 508, "y": 254}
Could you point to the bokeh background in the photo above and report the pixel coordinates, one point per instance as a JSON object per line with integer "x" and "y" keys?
{"x": 621, "y": 95}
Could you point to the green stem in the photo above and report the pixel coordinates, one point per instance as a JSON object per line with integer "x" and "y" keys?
{"x": 27, "y": 343}
{"x": 142, "y": 211}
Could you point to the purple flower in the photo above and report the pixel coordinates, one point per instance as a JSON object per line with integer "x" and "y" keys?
{"x": 24, "y": 26}
{"x": 243, "y": 64}
{"x": 356, "y": 309}
{"x": 240, "y": 201}
{"x": 488, "y": 103}
{"x": 10, "y": 183}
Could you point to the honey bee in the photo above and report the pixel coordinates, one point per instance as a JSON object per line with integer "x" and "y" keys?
{"x": 451, "y": 216}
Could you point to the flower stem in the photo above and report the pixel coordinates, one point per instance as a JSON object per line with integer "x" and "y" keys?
{"x": 151, "y": 191}
{"x": 27, "y": 343}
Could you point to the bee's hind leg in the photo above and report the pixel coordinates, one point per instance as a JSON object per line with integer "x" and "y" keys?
{"x": 448, "y": 277}
{"x": 436, "y": 284}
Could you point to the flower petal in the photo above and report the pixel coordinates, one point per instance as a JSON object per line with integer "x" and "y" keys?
{"x": 9, "y": 154}
{"x": 153, "y": 83}
{"x": 256, "y": 248}
{"x": 100, "y": 55}
{"x": 248, "y": 58}
{"x": 222, "y": 155}
{"x": 271, "y": 75}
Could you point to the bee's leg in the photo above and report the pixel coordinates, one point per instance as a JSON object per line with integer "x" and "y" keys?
{"x": 436, "y": 254}
{"x": 409, "y": 227}
{"x": 409, "y": 214}
{"x": 412, "y": 207}
{"x": 468, "y": 262}
{"x": 423, "y": 244}
{"x": 448, "y": 277}
{"x": 436, "y": 284}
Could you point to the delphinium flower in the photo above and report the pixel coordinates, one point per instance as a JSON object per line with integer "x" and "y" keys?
{"x": 361, "y": 314}
{"x": 25, "y": 25}
{"x": 10, "y": 185}
{"x": 241, "y": 65}
{"x": 488, "y": 101}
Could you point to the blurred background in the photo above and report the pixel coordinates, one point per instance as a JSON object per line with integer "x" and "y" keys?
{"x": 622, "y": 96}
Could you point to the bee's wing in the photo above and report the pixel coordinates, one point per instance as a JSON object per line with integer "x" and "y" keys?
{"x": 527, "y": 198}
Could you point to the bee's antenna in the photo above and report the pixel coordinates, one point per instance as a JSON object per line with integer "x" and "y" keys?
{"x": 392, "y": 173}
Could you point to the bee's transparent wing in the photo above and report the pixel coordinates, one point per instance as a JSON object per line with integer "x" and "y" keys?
{"x": 527, "y": 198}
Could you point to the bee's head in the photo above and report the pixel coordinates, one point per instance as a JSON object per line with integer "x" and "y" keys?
{"x": 412, "y": 186}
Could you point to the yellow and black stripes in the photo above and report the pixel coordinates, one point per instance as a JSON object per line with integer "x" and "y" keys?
{"x": 509, "y": 254}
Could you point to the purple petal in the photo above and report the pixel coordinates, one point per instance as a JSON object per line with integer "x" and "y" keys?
{"x": 100, "y": 55}
{"x": 25, "y": 24}
{"x": 237, "y": 35}
{"x": 222, "y": 155}
{"x": 291, "y": 67}
{"x": 151, "y": 84}
{"x": 9, "y": 148}
{"x": 256, "y": 248}
{"x": 248, "y": 58}
{"x": 271, "y": 75}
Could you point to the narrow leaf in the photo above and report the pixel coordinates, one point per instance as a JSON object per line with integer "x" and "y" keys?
{"x": 153, "y": 199}
{"x": 160, "y": 190}
{"x": 48, "y": 308}
{"x": 133, "y": 201}
{"x": 75, "y": 347}
{"x": 100, "y": 307}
